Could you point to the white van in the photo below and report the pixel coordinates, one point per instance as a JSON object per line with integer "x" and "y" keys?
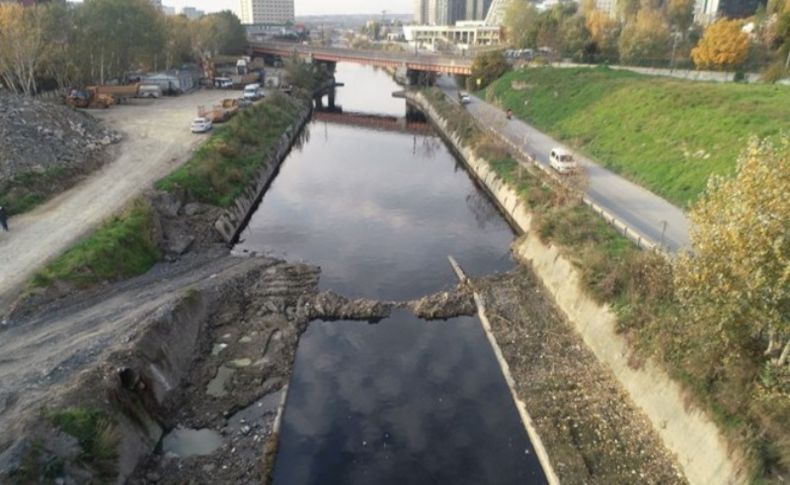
{"x": 252, "y": 92}
{"x": 562, "y": 161}
{"x": 149, "y": 91}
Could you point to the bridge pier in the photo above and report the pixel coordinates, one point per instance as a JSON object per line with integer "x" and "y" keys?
{"x": 421, "y": 78}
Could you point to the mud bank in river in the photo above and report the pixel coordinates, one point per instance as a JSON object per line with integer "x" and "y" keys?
{"x": 684, "y": 432}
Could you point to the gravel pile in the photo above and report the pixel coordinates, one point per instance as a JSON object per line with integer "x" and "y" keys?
{"x": 36, "y": 136}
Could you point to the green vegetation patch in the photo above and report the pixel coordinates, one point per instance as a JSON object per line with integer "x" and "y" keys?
{"x": 122, "y": 247}
{"x": 224, "y": 166}
{"x": 27, "y": 190}
{"x": 667, "y": 135}
{"x": 97, "y": 436}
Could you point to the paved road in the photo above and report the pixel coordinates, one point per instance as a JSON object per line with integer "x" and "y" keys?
{"x": 156, "y": 140}
{"x": 637, "y": 207}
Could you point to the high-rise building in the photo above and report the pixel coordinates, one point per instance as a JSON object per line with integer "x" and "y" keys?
{"x": 267, "y": 11}
{"x": 495, "y": 13}
{"x": 192, "y": 13}
{"x": 420, "y": 12}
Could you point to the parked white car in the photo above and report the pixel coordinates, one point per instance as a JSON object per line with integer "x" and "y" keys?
{"x": 464, "y": 97}
{"x": 253, "y": 92}
{"x": 562, "y": 161}
{"x": 201, "y": 125}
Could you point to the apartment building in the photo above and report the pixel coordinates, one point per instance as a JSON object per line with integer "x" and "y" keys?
{"x": 267, "y": 11}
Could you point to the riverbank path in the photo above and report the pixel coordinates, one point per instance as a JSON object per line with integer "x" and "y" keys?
{"x": 651, "y": 216}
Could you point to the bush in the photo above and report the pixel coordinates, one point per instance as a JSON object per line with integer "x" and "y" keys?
{"x": 122, "y": 247}
{"x": 97, "y": 435}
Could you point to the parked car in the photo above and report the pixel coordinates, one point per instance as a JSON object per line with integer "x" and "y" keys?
{"x": 253, "y": 92}
{"x": 562, "y": 161}
{"x": 464, "y": 97}
{"x": 223, "y": 82}
{"x": 149, "y": 91}
{"x": 201, "y": 125}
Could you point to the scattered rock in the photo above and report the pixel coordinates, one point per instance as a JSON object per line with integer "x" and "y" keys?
{"x": 36, "y": 136}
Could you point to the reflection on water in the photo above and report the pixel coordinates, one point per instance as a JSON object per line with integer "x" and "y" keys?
{"x": 404, "y": 401}
{"x": 401, "y": 402}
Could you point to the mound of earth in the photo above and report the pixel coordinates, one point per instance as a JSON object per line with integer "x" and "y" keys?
{"x": 37, "y": 136}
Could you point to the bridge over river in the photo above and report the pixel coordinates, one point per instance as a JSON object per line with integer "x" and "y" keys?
{"x": 412, "y": 62}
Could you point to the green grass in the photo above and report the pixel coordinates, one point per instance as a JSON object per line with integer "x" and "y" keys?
{"x": 97, "y": 436}
{"x": 27, "y": 190}
{"x": 226, "y": 164}
{"x": 667, "y": 135}
{"x": 122, "y": 247}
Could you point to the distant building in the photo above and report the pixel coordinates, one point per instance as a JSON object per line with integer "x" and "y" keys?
{"x": 267, "y": 11}
{"x": 168, "y": 10}
{"x": 464, "y": 34}
{"x": 708, "y": 11}
{"x": 192, "y": 13}
{"x": 448, "y": 12}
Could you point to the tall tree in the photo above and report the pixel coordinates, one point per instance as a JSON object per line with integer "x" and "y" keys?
{"x": 735, "y": 285}
{"x": 521, "y": 24}
{"x": 22, "y": 46}
{"x": 680, "y": 14}
{"x": 723, "y": 46}
{"x": 119, "y": 35}
{"x": 487, "y": 67}
{"x": 645, "y": 39}
{"x": 604, "y": 32}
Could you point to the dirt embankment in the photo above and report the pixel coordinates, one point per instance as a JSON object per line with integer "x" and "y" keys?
{"x": 592, "y": 431}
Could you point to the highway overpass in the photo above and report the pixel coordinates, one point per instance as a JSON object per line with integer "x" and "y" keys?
{"x": 415, "y": 62}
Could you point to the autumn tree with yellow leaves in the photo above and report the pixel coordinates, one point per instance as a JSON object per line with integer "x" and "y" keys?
{"x": 734, "y": 286}
{"x": 723, "y": 46}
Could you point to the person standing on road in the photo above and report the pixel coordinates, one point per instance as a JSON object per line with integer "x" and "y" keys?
{"x": 3, "y": 218}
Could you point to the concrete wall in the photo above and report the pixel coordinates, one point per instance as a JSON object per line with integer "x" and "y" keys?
{"x": 699, "y": 446}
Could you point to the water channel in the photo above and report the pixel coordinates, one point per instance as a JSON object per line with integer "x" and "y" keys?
{"x": 402, "y": 401}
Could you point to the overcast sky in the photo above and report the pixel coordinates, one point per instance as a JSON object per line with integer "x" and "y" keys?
{"x": 308, "y": 7}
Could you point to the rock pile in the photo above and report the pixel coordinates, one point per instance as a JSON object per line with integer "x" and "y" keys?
{"x": 36, "y": 136}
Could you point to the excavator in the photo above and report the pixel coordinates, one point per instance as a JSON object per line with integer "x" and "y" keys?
{"x": 90, "y": 98}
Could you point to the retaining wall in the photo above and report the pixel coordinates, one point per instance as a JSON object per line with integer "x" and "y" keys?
{"x": 697, "y": 443}
{"x": 233, "y": 219}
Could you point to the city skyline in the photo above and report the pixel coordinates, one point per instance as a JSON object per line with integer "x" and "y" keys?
{"x": 307, "y": 7}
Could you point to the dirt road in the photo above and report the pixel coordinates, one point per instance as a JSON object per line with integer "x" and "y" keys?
{"x": 156, "y": 140}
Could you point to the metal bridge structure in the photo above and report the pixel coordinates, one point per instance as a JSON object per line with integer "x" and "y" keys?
{"x": 410, "y": 61}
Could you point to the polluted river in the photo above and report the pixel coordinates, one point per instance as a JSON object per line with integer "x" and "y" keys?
{"x": 404, "y": 400}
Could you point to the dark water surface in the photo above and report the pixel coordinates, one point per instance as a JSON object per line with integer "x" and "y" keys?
{"x": 404, "y": 401}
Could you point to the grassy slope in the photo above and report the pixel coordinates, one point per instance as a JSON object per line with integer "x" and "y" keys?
{"x": 223, "y": 167}
{"x": 667, "y": 135}
{"x": 122, "y": 247}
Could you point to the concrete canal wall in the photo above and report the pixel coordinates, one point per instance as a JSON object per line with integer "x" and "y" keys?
{"x": 688, "y": 433}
